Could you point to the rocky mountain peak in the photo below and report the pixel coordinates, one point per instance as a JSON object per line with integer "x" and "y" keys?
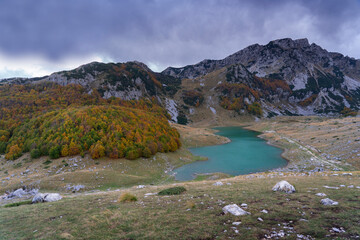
{"x": 288, "y": 43}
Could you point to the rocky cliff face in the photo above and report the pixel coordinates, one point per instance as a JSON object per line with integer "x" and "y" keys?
{"x": 319, "y": 82}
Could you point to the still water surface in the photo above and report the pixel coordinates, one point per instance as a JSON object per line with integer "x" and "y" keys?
{"x": 246, "y": 153}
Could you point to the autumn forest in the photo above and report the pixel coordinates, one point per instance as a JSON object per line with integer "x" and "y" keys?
{"x": 47, "y": 119}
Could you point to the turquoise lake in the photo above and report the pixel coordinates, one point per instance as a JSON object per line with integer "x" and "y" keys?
{"x": 246, "y": 153}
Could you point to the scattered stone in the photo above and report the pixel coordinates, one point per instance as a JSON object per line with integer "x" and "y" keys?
{"x": 74, "y": 188}
{"x": 351, "y": 186}
{"x": 244, "y": 205}
{"x": 303, "y": 220}
{"x": 20, "y": 193}
{"x": 347, "y": 174}
{"x": 342, "y": 185}
{"x": 141, "y": 186}
{"x": 260, "y": 219}
{"x": 218, "y": 184}
{"x": 328, "y": 202}
{"x": 337, "y": 230}
{"x": 236, "y": 223}
{"x": 331, "y": 187}
{"x": 284, "y": 186}
{"x": 321, "y": 194}
{"x": 234, "y": 210}
{"x": 46, "y": 197}
{"x": 264, "y": 211}
{"x": 17, "y": 193}
{"x": 150, "y": 194}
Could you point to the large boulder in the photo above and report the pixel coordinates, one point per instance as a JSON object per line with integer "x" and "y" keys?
{"x": 284, "y": 186}
{"x": 234, "y": 210}
{"x": 46, "y": 197}
{"x": 328, "y": 202}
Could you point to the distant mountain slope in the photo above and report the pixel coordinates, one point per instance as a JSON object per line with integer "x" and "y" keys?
{"x": 314, "y": 81}
{"x": 283, "y": 77}
{"x": 131, "y": 80}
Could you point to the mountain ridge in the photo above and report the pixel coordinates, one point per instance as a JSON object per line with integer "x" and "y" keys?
{"x": 283, "y": 77}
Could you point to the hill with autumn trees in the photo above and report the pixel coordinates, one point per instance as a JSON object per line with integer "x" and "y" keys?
{"x": 50, "y": 119}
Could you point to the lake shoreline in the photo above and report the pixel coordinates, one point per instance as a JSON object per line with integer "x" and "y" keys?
{"x": 246, "y": 163}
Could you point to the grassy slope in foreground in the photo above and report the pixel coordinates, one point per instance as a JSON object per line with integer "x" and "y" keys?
{"x": 195, "y": 214}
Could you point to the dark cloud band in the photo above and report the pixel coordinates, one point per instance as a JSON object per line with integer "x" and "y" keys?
{"x": 167, "y": 32}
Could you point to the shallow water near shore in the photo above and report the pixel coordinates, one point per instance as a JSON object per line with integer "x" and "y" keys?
{"x": 246, "y": 153}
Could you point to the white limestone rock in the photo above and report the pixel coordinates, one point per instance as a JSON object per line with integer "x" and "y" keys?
{"x": 235, "y": 210}
{"x": 17, "y": 193}
{"x": 328, "y": 202}
{"x": 321, "y": 194}
{"x": 264, "y": 211}
{"x": 218, "y": 184}
{"x": 284, "y": 186}
{"x": 46, "y": 197}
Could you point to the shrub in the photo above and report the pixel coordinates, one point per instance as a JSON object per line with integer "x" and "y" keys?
{"x": 182, "y": 119}
{"x": 3, "y": 147}
{"x": 348, "y": 112}
{"x": 193, "y": 98}
{"x": 255, "y": 109}
{"x": 14, "y": 152}
{"x": 97, "y": 150}
{"x": 146, "y": 152}
{"x": 35, "y": 153}
{"x": 172, "y": 191}
{"x": 54, "y": 152}
{"x": 132, "y": 154}
{"x": 18, "y": 204}
{"x": 127, "y": 197}
{"x": 190, "y": 205}
{"x": 47, "y": 162}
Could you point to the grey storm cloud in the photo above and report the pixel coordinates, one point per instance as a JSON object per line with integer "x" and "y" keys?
{"x": 171, "y": 33}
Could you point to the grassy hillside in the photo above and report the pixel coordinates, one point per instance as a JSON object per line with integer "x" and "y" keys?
{"x": 197, "y": 213}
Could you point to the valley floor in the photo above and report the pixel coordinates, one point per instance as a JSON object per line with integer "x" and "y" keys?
{"x": 319, "y": 150}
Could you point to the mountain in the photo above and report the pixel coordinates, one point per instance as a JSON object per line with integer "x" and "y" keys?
{"x": 128, "y": 81}
{"x": 283, "y": 77}
{"x": 289, "y": 77}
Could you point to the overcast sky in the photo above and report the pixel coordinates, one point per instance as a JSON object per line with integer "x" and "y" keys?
{"x": 42, "y": 36}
